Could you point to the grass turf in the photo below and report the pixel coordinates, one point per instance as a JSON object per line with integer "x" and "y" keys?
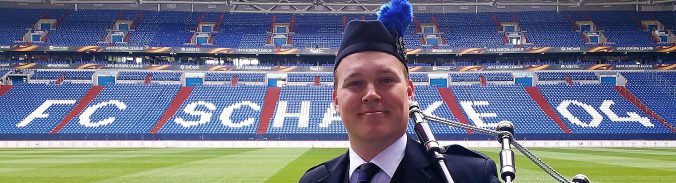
{"x": 287, "y": 165}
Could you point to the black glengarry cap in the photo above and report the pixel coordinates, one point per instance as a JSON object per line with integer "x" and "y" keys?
{"x": 384, "y": 35}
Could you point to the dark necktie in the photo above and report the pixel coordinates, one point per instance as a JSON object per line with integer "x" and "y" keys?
{"x": 366, "y": 172}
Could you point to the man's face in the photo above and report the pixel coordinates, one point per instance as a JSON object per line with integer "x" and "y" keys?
{"x": 372, "y": 96}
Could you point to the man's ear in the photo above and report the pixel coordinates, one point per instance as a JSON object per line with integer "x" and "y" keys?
{"x": 333, "y": 99}
{"x": 410, "y": 90}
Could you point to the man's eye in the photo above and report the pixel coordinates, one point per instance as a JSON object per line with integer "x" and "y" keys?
{"x": 387, "y": 81}
{"x": 354, "y": 83}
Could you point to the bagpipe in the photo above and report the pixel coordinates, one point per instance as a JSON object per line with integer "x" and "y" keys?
{"x": 505, "y": 135}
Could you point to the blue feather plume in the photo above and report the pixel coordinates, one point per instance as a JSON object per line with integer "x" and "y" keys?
{"x": 396, "y": 16}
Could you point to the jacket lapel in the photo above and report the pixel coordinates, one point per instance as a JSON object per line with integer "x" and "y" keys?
{"x": 337, "y": 170}
{"x": 412, "y": 167}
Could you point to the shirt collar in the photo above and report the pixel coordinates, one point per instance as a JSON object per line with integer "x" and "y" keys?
{"x": 388, "y": 160}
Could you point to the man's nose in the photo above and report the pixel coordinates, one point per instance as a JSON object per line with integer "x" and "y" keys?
{"x": 371, "y": 94}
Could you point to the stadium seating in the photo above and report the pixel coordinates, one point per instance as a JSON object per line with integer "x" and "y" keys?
{"x": 656, "y": 90}
{"x": 15, "y": 22}
{"x": 215, "y": 99}
{"x": 241, "y": 77}
{"x": 23, "y": 101}
{"x": 419, "y": 77}
{"x": 508, "y": 103}
{"x": 310, "y": 77}
{"x": 553, "y": 76}
{"x": 585, "y": 112}
{"x": 81, "y": 28}
{"x": 459, "y": 30}
{"x": 314, "y": 99}
{"x": 141, "y": 75}
{"x": 123, "y": 109}
{"x": 3, "y": 72}
{"x": 68, "y": 75}
{"x": 428, "y": 97}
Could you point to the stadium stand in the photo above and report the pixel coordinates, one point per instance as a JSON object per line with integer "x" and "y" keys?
{"x": 68, "y": 75}
{"x": 243, "y": 102}
{"x": 553, "y": 76}
{"x": 483, "y": 94}
{"x": 508, "y": 103}
{"x": 227, "y": 76}
{"x": 457, "y": 30}
{"x": 656, "y": 90}
{"x": 22, "y": 107}
{"x": 310, "y": 77}
{"x": 582, "y": 108}
{"x": 295, "y": 101}
{"x": 123, "y": 109}
{"x": 141, "y": 75}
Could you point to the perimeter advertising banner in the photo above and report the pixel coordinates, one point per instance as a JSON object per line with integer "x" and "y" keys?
{"x": 327, "y": 51}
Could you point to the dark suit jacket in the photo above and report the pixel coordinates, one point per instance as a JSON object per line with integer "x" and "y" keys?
{"x": 466, "y": 166}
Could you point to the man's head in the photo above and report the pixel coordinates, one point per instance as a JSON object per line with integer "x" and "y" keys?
{"x": 372, "y": 90}
{"x": 372, "y": 93}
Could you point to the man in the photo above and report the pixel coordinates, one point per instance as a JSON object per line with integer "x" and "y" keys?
{"x": 372, "y": 93}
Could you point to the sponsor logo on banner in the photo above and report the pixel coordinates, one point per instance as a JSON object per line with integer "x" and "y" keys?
{"x": 317, "y": 51}
{"x": 443, "y": 68}
{"x": 58, "y": 48}
{"x": 634, "y": 48}
{"x": 58, "y": 65}
{"x": 504, "y": 67}
{"x": 124, "y": 48}
{"x": 4, "y": 64}
{"x": 253, "y": 50}
{"x": 124, "y": 66}
{"x": 316, "y": 68}
{"x": 640, "y": 66}
{"x": 5, "y": 47}
{"x": 182, "y": 49}
{"x": 502, "y": 50}
{"x": 570, "y": 66}
{"x": 189, "y": 67}
{"x": 253, "y": 67}
{"x": 571, "y": 49}
{"x": 441, "y": 51}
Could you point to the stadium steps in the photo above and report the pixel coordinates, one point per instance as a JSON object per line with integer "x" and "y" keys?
{"x": 271, "y": 98}
{"x": 86, "y": 99}
{"x": 176, "y": 103}
{"x": 542, "y": 102}
{"x": 452, "y": 103}
{"x": 637, "y": 102}
{"x": 4, "y": 89}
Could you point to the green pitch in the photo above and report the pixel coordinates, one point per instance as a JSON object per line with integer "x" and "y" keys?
{"x": 287, "y": 165}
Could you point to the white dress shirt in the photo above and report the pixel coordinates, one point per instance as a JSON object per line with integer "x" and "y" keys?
{"x": 388, "y": 160}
